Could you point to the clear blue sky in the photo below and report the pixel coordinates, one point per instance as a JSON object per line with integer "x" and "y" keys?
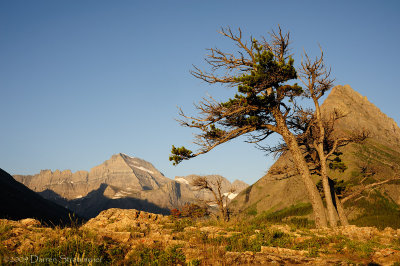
{"x": 82, "y": 80}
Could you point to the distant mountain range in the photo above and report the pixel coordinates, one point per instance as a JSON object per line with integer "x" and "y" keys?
{"x": 375, "y": 160}
{"x": 19, "y": 202}
{"x": 120, "y": 182}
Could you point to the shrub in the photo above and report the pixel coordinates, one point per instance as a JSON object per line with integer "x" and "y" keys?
{"x": 175, "y": 213}
{"x": 194, "y": 211}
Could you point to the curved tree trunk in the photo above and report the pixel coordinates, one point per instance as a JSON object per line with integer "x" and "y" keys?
{"x": 319, "y": 146}
{"x": 302, "y": 167}
{"x": 340, "y": 210}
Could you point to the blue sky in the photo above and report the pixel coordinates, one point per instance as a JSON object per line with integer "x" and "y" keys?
{"x": 82, "y": 80}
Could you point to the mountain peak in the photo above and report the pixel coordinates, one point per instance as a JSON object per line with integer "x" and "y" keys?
{"x": 345, "y": 90}
{"x": 360, "y": 114}
{"x": 282, "y": 187}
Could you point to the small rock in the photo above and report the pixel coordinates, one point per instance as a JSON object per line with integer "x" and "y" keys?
{"x": 118, "y": 236}
{"x": 386, "y": 256}
{"x": 301, "y": 239}
{"x": 29, "y": 222}
{"x": 283, "y": 251}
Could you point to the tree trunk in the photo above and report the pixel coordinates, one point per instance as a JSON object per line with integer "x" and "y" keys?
{"x": 340, "y": 210}
{"x": 332, "y": 213}
{"x": 301, "y": 165}
{"x": 319, "y": 145}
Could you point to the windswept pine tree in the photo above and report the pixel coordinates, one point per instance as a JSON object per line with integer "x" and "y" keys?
{"x": 263, "y": 73}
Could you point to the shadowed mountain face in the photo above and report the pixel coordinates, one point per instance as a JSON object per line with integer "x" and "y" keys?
{"x": 19, "y": 202}
{"x": 96, "y": 201}
{"x": 379, "y": 156}
{"x": 120, "y": 182}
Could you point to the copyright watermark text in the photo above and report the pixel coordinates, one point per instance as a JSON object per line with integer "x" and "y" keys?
{"x": 37, "y": 259}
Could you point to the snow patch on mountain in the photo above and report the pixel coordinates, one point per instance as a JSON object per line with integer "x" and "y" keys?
{"x": 120, "y": 194}
{"x": 230, "y": 195}
{"x": 144, "y": 169}
{"x": 181, "y": 180}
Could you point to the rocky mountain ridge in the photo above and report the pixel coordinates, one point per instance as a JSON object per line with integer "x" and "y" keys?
{"x": 18, "y": 201}
{"x": 228, "y": 189}
{"x": 120, "y": 170}
{"x": 120, "y": 182}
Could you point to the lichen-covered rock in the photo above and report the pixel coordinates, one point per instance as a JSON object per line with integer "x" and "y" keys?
{"x": 123, "y": 220}
{"x": 386, "y": 256}
{"x": 283, "y": 251}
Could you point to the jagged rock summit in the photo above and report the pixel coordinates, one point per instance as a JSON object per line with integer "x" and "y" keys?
{"x": 120, "y": 182}
{"x": 361, "y": 114}
{"x": 281, "y": 187}
{"x": 120, "y": 170}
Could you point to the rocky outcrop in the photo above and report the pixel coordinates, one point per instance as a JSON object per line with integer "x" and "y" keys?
{"x": 123, "y": 220}
{"x": 118, "y": 236}
{"x": 239, "y": 185}
{"x": 281, "y": 187}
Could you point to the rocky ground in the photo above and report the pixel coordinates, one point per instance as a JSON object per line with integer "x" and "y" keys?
{"x": 119, "y": 236}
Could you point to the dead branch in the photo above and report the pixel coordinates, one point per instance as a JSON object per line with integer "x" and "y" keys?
{"x": 367, "y": 187}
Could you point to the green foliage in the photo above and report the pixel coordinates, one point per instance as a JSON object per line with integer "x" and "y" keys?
{"x": 378, "y": 211}
{"x": 339, "y": 186}
{"x": 180, "y": 224}
{"x": 75, "y": 248}
{"x": 180, "y": 154}
{"x": 5, "y": 231}
{"x": 290, "y": 215}
{"x": 299, "y": 209}
{"x": 313, "y": 245}
{"x": 194, "y": 262}
{"x": 262, "y": 90}
{"x": 214, "y": 133}
{"x": 248, "y": 241}
{"x": 252, "y": 211}
{"x": 337, "y": 164}
{"x": 156, "y": 255}
{"x": 298, "y": 222}
{"x": 191, "y": 210}
{"x": 363, "y": 249}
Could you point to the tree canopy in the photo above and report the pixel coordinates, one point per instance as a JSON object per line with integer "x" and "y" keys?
{"x": 261, "y": 72}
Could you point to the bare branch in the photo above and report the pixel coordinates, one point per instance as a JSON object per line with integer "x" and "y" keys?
{"x": 370, "y": 186}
